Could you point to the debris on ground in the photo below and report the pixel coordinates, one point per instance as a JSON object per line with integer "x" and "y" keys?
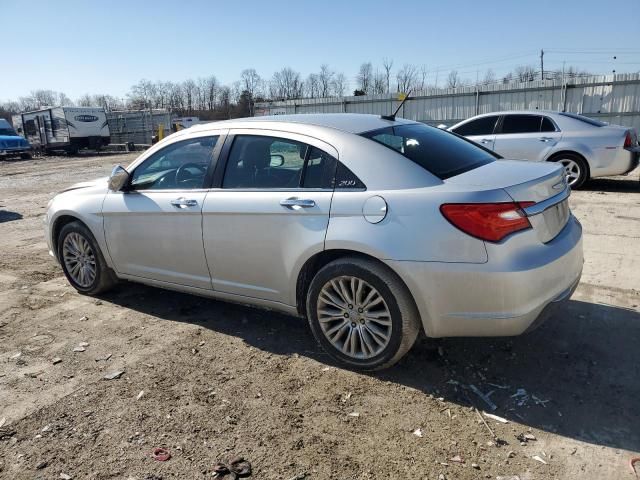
{"x": 495, "y": 417}
{"x": 521, "y": 396}
{"x": 632, "y": 464}
{"x": 476, "y": 466}
{"x": 65, "y": 476}
{"x": 484, "y": 397}
{"x": 140, "y": 395}
{"x": 3, "y": 420}
{"x": 42, "y": 465}
{"x": 456, "y": 459}
{"x": 161, "y": 454}
{"x": 83, "y": 344}
{"x": 79, "y": 349}
{"x": 113, "y": 375}
{"x": 418, "y": 432}
{"x": 236, "y": 467}
{"x": 353, "y": 414}
{"x": 104, "y": 358}
{"x": 538, "y": 458}
{"x": 56, "y": 360}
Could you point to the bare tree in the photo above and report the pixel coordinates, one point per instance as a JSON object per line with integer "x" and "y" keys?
{"x": 387, "y": 64}
{"x": 286, "y": 84}
{"x": 312, "y": 86}
{"x": 364, "y": 77}
{"x": 325, "y": 79}
{"x": 453, "y": 80}
{"x": 406, "y": 78}
{"x": 422, "y": 80}
{"x": 489, "y": 77}
{"x": 508, "y": 78}
{"x": 212, "y": 91}
{"x": 339, "y": 84}
{"x": 251, "y": 82}
{"x": 525, "y": 73}
{"x": 379, "y": 83}
{"x": 189, "y": 91}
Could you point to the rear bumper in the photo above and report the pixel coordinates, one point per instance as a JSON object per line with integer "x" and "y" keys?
{"x": 505, "y": 296}
{"x": 616, "y": 162}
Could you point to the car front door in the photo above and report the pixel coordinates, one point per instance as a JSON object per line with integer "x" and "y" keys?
{"x": 480, "y": 130}
{"x": 153, "y": 228}
{"x": 526, "y": 137}
{"x": 270, "y": 210}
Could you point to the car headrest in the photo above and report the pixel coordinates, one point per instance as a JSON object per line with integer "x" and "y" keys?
{"x": 257, "y": 154}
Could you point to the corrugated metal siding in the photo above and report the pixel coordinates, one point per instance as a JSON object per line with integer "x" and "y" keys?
{"x": 610, "y": 98}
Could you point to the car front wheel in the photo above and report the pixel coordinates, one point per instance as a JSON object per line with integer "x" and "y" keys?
{"x": 362, "y": 314}
{"x": 81, "y": 260}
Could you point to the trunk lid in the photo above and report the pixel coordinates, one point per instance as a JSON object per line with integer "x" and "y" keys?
{"x": 541, "y": 182}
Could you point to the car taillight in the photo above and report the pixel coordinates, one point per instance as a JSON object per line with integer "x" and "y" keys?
{"x": 487, "y": 221}
{"x": 628, "y": 142}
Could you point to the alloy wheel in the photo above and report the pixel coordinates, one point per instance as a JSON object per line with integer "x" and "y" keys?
{"x": 79, "y": 259}
{"x": 354, "y": 317}
{"x": 572, "y": 170}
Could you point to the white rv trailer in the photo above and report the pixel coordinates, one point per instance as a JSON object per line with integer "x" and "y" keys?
{"x": 64, "y": 128}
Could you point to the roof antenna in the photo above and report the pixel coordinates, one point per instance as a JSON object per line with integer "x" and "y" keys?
{"x": 392, "y": 117}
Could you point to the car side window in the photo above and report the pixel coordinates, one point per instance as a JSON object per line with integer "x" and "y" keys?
{"x": 181, "y": 165}
{"x": 320, "y": 170}
{"x": 480, "y": 126}
{"x": 521, "y": 124}
{"x": 547, "y": 125}
{"x": 257, "y": 161}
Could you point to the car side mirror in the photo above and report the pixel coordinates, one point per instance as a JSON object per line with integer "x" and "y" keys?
{"x": 277, "y": 160}
{"x": 118, "y": 179}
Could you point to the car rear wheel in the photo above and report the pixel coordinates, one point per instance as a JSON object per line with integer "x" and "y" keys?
{"x": 81, "y": 260}
{"x": 362, "y": 314}
{"x": 575, "y": 168}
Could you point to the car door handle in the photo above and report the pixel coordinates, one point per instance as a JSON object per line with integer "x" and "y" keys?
{"x": 295, "y": 203}
{"x": 485, "y": 140}
{"x": 184, "y": 202}
{"x": 545, "y": 139}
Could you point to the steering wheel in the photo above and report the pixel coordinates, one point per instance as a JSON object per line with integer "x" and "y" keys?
{"x": 183, "y": 169}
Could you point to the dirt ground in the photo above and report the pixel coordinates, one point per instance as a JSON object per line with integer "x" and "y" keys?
{"x": 208, "y": 380}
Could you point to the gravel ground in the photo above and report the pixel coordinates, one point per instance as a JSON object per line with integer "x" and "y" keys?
{"x": 208, "y": 380}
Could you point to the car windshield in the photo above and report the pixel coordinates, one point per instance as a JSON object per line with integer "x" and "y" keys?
{"x": 588, "y": 120}
{"x": 442, "y": 153}
{"x": 8, "y": 131}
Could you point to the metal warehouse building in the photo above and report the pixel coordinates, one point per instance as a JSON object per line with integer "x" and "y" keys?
{"x": 610, "y": 98}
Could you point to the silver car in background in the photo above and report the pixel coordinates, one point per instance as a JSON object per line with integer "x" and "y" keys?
{"x": 585, "y": 147}
{"x": 372, "y": 228}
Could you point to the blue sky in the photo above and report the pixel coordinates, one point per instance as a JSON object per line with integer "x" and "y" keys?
{"x": 106, "y": 46}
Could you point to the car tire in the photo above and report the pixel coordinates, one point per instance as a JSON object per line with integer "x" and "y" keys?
{"x": 82, "y": 261}
{"x": 576, "y": 168}
{"x": 26, "y": 156}
{"x": 362, "y": 335}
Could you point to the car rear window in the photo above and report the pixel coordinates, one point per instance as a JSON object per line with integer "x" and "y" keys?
{"x": 584, "y": 119}
{"x": 442, "y": 153}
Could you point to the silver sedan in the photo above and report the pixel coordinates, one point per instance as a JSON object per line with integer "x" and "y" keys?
{"x": 372, "y": 228}
{"x": 585, "y": 147}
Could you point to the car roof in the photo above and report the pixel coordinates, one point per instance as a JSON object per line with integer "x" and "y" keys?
{"x": 346, "y": 122}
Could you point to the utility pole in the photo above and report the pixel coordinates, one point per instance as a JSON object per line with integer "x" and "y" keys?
{"x": 541, "y": 64}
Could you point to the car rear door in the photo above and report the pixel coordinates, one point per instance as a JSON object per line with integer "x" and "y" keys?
{"x": 154, "y": 228}
{"x": 269, "y": 212}
{"x": 479, "y": 130}
{"x": 526, "y": 137}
